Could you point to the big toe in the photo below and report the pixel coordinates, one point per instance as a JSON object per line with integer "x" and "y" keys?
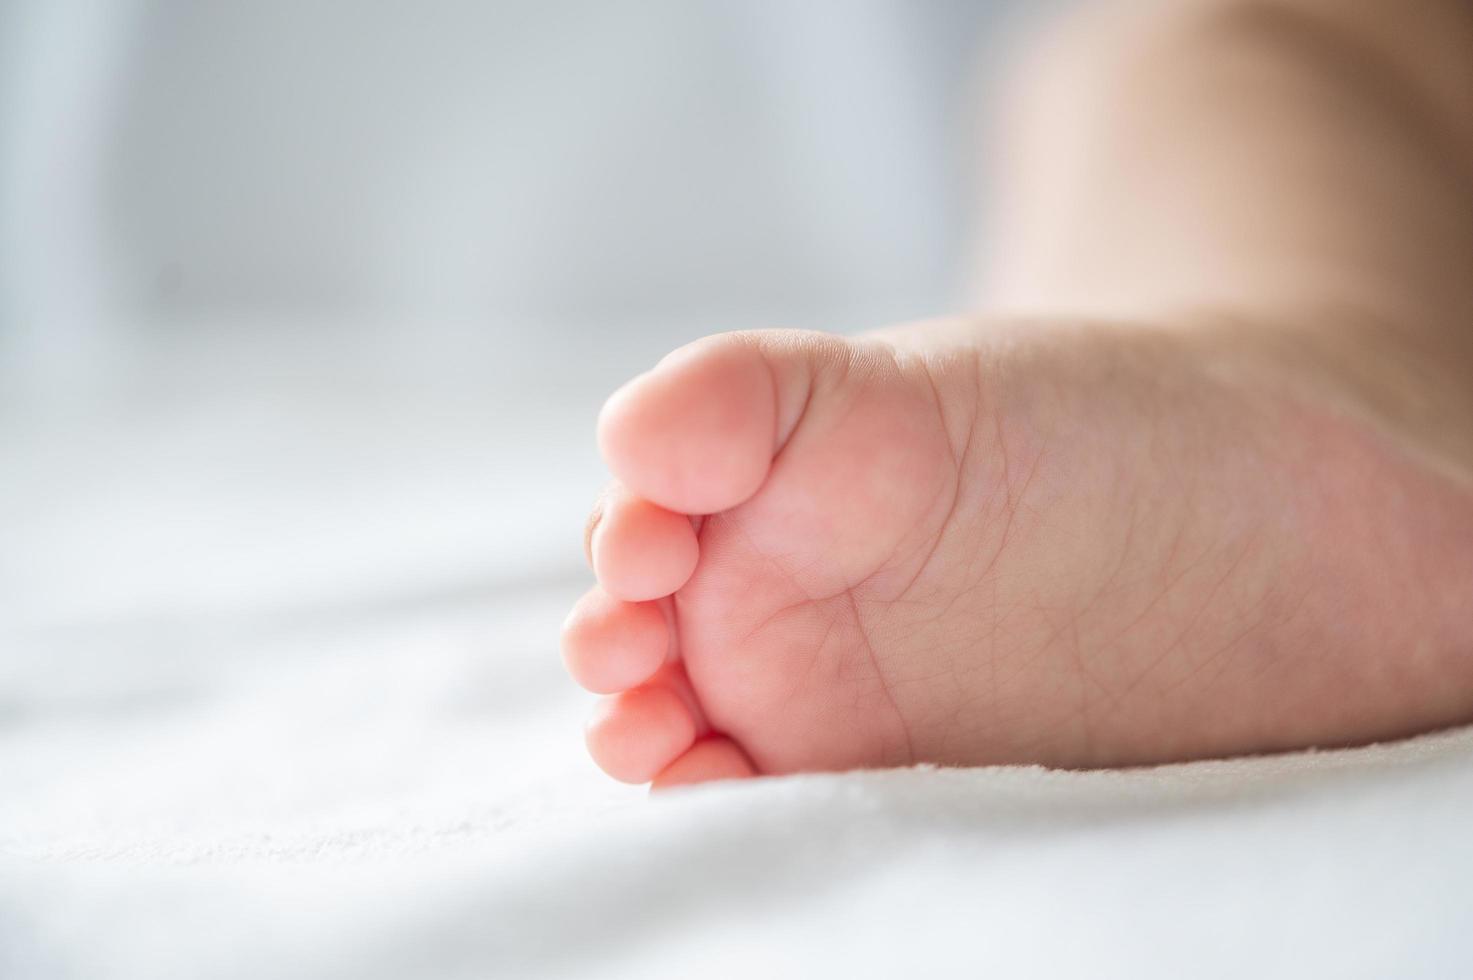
{"x": 697, "y": 434}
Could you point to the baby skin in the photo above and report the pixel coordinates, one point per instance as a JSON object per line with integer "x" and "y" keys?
{"x": 1211, "y": 517}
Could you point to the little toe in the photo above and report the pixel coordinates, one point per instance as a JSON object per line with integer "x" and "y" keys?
{"x": 640, "y": 551}
{"x": 710, "y": 759}
{"x": 609, "y": 645}
{"x": 634, "y": 735}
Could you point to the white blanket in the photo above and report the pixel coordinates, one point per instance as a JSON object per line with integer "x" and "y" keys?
{"x": 279, "y": 697}
{"x": 388, "y": 801}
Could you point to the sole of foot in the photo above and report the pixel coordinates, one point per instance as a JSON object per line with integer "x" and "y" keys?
{"x": 966, "y": 543}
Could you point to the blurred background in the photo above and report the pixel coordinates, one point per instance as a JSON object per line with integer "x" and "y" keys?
{"x": 306, "y": 311}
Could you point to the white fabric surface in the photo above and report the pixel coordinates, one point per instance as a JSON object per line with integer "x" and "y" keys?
{"x": 1345, "y": 865}
{"x": 279, "y": 697}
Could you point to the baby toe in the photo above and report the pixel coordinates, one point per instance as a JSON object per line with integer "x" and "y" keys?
{"x": 634, "y": 735}
{"x": 641, "y": 551}
{"x": 609, "y": 645}
{"x": 696, "y": 433}
{"x": 710, "y": 759}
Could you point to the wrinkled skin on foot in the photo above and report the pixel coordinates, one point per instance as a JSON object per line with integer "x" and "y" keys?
{"x": 966, "y": 542}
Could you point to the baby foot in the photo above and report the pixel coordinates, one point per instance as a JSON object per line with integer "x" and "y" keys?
{"x": 967, "y": 543}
